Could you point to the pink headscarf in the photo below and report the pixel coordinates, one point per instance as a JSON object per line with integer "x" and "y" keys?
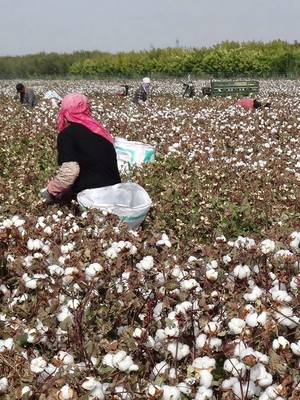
{"x": 76, "y": 108}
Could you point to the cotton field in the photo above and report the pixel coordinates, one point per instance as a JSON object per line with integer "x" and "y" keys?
{"x": 199, "y": 302}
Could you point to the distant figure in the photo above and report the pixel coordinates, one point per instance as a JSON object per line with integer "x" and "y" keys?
{"x": 247, "y": 104}
{"x": 27, "y": 95}
{"x": 189, "y": 90}
{"x": 141, "y": 95}
{"x": 52, "y": 98}
{"x": 125, "y": 90}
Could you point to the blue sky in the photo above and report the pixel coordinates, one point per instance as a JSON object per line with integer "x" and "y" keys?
{"x": 64, "y": 26}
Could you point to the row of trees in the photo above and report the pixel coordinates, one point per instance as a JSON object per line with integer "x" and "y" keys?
{"x": 226, "y": 59}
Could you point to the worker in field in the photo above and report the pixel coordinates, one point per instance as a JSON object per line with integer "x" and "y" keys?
{"x": 125, "y": 91}
{"x": 86, "y": 153}
{"x": 248, "y": 104}
{"x": 141, "y": 94}
{"x": 27, "y": 95}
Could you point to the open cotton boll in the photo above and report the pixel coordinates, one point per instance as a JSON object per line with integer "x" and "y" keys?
{"x": 178, "y": 350}
{"x": 204, "y": 393}
{"x": 296, "y": 348}
{"x": 280, "y": 342}
{"x": 122, "y": 393}
{"x": 235, "y": 367}
{"x": 285, "y": 316}
{"x": 206, "y": 378}
{"x": 56, "y": 270}
{"x": 205, "y": 362}
{"x": 211, "y": 274}
{"x": 212, "y": 327}
{"x": 295, "y": 241}
{"x": 3, "y": 384}
{"x": 6, "y": 344}
{"x": 247, "y": 389}
{"x": 267, "y": 246}
{"x": 236, "y": 325}
{"x": 160, "y": 368}
{"x": 251, "y": 319}
{"x": 37, "y": 365}
{"x": 281, "y": 296}
{"x": 255, "y": 294}
{"x": 170, "y": 393}
{"x": 155, "y": 391}
{"x": 93, "y": 269}
{"x": 189, "y": 284}
{"x": 66, "y": 393}
{"x": 145, "y": 264}
{"x": 241, "y": 271}
{"x": 63, "y": 314}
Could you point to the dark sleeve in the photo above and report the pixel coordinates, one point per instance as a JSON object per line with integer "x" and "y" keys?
{"x": 29, "y": 98}
{"x": 66, "y": 148}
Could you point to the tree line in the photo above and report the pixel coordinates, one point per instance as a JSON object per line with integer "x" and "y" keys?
{"x": 249, "y": 59}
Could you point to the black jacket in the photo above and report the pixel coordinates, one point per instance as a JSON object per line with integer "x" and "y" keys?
{"x": 95, "y": 155}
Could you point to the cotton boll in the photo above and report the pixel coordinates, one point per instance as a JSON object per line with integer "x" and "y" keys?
{"x": 178, "y": 350}
{"x": 262, "y": 318}
{"x": 285, "y": 317}
{"x": 295, "y": 241}
{"x": 204, "y": 393}
{"x": 66, "y": 393}
{"x": 241, "y": 389}
{"x": 56, "y": 270}
{"x": 146, "y": 264}
{"x": 127, "y": 364}
{"x": 37, "y": 365}
{"x": 93, "y": 269}
{"x": 214, "y": 343}
{"x": 122, "y": 393}
{"x": 3, "y": 384}
{"x": 155, "y": 391}
{"x": 64, "y": 357}
{"x": 6, "y": 344}
{"x": 212, "y": 327}
{"x": 108, "y": 360}
{"x": 280, "y": 342}
{"x": 188, "y": 284}
{"x": 267, "y": 246}
{"x": 201, "y": 341}
{"x": 170, "y": 393}
{"x": 254, "y": 294}
{"x": 241, "y": 271}
{"x": 227, "y": 384}
{"x": 235, "y": 367}
{"x": 205, "y": 362}
{"x": 206, "y": 378}
{"x": 160, "y": 368}
{"x": 212, "y": 275}
{"x": 63, "y": 314}
{"x": 281, "y": 296}
{"x": 30, "y": 282}
{"x": 251, "y": 319}
{"x": 296, "y": 348}
{"x": 236, "y": 325}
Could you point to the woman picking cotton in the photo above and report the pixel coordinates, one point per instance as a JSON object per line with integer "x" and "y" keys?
{"x": 86, "y": 152}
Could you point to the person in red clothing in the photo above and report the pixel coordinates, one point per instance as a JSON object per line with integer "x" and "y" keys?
{"x": 247, "y": 103}
{"x": 86, "y": 153}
